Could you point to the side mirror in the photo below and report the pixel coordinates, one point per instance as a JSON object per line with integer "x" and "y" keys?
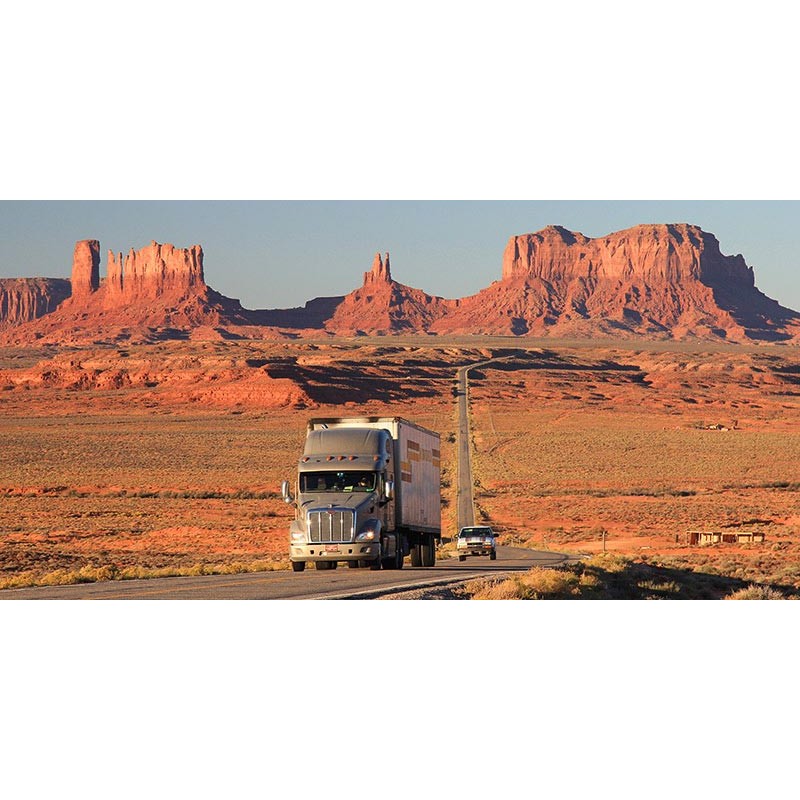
{"x": 285, "y": 493}
{"x": 388, "y": 490}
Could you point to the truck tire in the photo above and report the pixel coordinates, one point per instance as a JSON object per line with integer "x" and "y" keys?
{"x": 428, "y": 551}
{"x": 298, "y": 566}
{"x": 324, "y": 564}
{"x": 377, "y": 563}
{"x": 395, "y": 561}
{"x": 462, "y": 558}
{"x": 353, "y": 564}
{"x": 416, "y": 555}
{"x": 493, "y": 556}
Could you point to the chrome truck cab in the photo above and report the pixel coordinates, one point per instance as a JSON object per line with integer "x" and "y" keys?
{"x": 344, "y": 501}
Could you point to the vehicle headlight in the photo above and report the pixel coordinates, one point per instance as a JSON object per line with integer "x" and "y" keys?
{"x": 366, "y": 536}
{"x": 298, "y": 536}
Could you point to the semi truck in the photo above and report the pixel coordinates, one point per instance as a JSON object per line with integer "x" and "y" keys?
{"x": 367, "y": 494}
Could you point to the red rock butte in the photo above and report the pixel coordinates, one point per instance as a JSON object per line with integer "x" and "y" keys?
{"x": 658, "y": 281}
{"x": 146, "y": 274}
{"x": 154, "y": 271}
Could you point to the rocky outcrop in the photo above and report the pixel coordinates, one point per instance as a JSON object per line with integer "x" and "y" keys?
{"x": 152, "y": 293}
{"x": 380, "y": 272}
{"x": 154, "y": 271}
{"x": 652, "y": 254}
{"x": 86, "y": 268}
{"x": 26, "y": 299}
{"x": 382, "y": 305}
{"x": 655, "y": 280}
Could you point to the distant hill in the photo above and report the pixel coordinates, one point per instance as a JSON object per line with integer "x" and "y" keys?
{"x": 658, "y": 281}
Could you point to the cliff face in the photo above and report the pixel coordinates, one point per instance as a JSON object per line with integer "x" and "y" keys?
{"x": 648, "y": 254}
{"x": 86, "y": 268}
{"x": 662, "y": 280}
{"x": 26, "y": 299}
{"x": 153, "y": 271}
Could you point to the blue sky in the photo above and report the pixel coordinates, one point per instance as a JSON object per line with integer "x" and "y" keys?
{"x": 278, "y": 254}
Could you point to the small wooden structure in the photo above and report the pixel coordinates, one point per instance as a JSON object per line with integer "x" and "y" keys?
{"x": 725, "y": 537}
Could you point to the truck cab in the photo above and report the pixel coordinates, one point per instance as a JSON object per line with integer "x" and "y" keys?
{"x": 476, "y": 540}
{"x": 367, "y": 494}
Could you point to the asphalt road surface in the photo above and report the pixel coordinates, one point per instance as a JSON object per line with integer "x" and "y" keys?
{"x": 341, "y": 583}
{"x": 465, "y": 506}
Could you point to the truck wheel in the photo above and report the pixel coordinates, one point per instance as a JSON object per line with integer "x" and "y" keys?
{"x": 428, "y": 552}
{"x": 416, "y": 555}
{"x": 462, "y": 558}
{"x": 298, "y": 566}
{"x": 376, "y": 564}
{"x": 493, "y": 556}
{"x": 323, "y": 564}
{"x": 353, "y": 564}
{"x": 395, "y": 561}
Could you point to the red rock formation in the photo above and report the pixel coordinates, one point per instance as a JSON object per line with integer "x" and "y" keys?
{"x": 157, "y": 288}
{"x": 86, "y": 268}
{"x": 154, "y": 271}
{"x": 26, "y": 299}
{"x": 113, "y": 282}
{"x": 655, "y": 254}
{"x": 383, "y": 305}
{"x": 663, "y": 280}
{"x": 650, "y": 280}
{"x": 380, "y": 272}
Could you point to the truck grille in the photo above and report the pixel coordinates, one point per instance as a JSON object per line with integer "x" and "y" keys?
{"x": 334, "y": 525}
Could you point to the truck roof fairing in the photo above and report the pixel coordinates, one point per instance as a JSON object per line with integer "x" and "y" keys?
{"x": 346, "y": 448}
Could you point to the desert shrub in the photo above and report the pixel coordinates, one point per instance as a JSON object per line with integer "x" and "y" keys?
{"x": 654, "y": 588}
{"x": 589, "y": 582}
{"x": 756, "y": 592}
{"x": 541, "y": 584}
{"x": 490, "y": 590}
{"x": 538, "y": 584}
{"x": 609, "y": 562}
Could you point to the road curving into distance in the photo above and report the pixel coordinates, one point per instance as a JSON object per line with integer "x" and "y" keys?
{"x": 465, "y": 504}
{"x": 340, "y": 583}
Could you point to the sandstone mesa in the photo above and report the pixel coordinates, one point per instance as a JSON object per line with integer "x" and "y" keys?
{"x": 658, "y": 281}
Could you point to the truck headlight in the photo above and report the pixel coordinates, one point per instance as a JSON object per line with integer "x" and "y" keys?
{"x": 298, "y": 536}
{"x": 365, "y": 536}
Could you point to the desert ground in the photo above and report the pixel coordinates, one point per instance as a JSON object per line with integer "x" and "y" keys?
{"x": 166, "y": 458}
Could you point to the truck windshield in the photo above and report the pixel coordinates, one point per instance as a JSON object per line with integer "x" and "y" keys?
{"x": 475, "y": 532}
{"x": 352, "y": 481}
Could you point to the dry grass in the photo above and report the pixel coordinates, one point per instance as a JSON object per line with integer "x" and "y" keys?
{"x": 111, "y": 572}
{"x": 614, "y": 577}
{"x": 754, "y": 592}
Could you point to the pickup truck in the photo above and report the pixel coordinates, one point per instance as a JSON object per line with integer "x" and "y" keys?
{"x": 476, "y": 540}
